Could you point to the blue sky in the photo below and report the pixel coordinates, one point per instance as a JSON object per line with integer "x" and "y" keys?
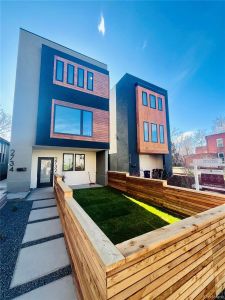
{"x": 179, "y": 46}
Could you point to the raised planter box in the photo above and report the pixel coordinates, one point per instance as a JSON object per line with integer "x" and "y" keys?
{"x": 185, "y": 260}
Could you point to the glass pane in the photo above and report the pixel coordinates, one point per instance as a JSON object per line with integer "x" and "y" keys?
{"x": 45, "y": 174}
{"x": 67, "y": 162}
{"x": 90, "y": 78}
{"x": 70, "y": 74}
{"x": 87, "y": 123}
{"x": 152, "y": 101}
{"x": 146, "y": 132}
{"x": 154, "y": 133}
{"x": 80, "y": 162}
{"x": 67, "y": 120}
{"x": 161, "y": 133}
{"x": 80, "y": 79}
{"x": 159, "y": 103}
{"x": 59, "y": 70}
{"x": 144, "y": 99}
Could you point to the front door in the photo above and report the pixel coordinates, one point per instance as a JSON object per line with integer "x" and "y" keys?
{"x": 45, "y": 171}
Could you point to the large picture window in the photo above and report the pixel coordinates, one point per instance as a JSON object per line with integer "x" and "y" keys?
{"x": 68, "y": 161}
{"x": 79, "y": 162}
{"x": 73, "y": 121}
{"x": 70, "y": 74}
{"x": 154, "y": 134}
{"x": 161, "y": 134}
{"x": 146, "y": 132}
{"x": 90, "y": 80}
{"x": 80, "y": 77}
{"x": 59, "y": 70}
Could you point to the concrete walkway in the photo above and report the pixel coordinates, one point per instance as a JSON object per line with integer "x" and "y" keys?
{"x": 43, "y": 266}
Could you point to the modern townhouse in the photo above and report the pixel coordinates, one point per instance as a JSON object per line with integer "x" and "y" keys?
{"x": 140, "y": 130}
{"x": 60, "y": 116}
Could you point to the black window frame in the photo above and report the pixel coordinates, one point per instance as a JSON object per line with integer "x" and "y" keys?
{"x": 78, "y": 71}
{"x": 147, "y": 131}
{"x": 150, "y": 100}
{"x": 163, "y": 127}
{"x": 67, "y": 69}
{"x": 92, "y": 81}
{"x": 160, "y": 100}
{"x": 56, "y": 71}
{"x": 144, "y": 93}
{"x": 76, "y": 154}
{"x": 71, "y": 154}
{"x": 156, "y": 133}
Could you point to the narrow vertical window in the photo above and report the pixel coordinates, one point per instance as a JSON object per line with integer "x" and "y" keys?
{"x": 90, "y": 80}
{"x": 67, "y": 162}
{"x": 144, "y": 99}
{"x": 154, "y": 133}
{"x": 146, "y": 132}
{"x": 70, "y": 74}
{"x": 59, "y": 70}
{"x": 161, "y": 134}
{"x": 80, "y": 77}
{"x": 87, "y": 123}
{"x": 79, "y": 162}
{"x": 160, "y": 105}
{"x": 152, "y": 101}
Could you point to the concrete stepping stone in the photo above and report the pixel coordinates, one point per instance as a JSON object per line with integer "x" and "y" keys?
{"x": 43, "y": 203}
{"x": 36, "y": 261}
{"x": 61, "y": 289}
{"x": 40, "y": 230}
{"x": 43, "y": 213}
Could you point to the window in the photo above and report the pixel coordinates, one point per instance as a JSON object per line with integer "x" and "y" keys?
{"x": 154, "y": 133}
{"x": 70, "y": 74}
{"x": 79, "y": 162}
{"x": 90, "y": 80}
{"x": 59, "y": 70}
{"x": 67, "y": 162}
{"x": 146, "y": 132}
{"x": 161, "y": 134}
{"x": 160, "y": 103}
{"x": 152, "y": 101}
{"x": 80, "y": 78}
{"x": 144, "y": 99}
{"x": 219, "y": 143}
{"x": 221, "y": 156}
{"x": 73, "y": 121}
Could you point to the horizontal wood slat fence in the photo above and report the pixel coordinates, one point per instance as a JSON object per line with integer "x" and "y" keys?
{"x": 184, "y": 260}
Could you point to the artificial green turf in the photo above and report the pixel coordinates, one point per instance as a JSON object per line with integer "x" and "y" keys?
{"x": 121, "y": 217}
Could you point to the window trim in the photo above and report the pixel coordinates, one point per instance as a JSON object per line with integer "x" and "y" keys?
{"x": 72, "y": 154}
{"x": 67, "y": 72}
{"x": 150, "y": 100}
{"x": 156, "y": 133}
{"x": 81, "y": 121}
{"x": 143, "y": 92}
{"x": 162, "y": 126}
{"x": 161, "y": 103}
{"x": 145, "y": 122}
{"x": 80, "y": 69}
{"x": 84, "y": 162}
{"x": 89, "y": 72}
{"x": 58, "y": 60}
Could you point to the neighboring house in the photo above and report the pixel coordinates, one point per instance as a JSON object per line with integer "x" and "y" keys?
{"x": 60, "y": 116}
{"x": 140, "y": 130}
{"x": 214, "y": 148}
{"x": 4, "y": 158}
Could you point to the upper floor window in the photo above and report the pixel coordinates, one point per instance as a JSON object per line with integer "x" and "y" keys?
{"x": 146, "y": 132}
{"x": 73, "y": 121}
{"x": 144, "y": 99}
{"x": 154, "y": 134}
{"x": 161, "y": 134}
{"x": 219, "y": 142}
{"x": 59, "y": 70}
{"x": 160, "y": 105}
{"x": 90, "y": 80}
{"x": 80, "y": 77}
{"x": 70, "y": 74}
{"x": 152, "y": 101}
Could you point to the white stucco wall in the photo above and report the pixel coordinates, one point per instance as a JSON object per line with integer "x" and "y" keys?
{"x": 150, "y": 161}
{"x": 71, "y": 177}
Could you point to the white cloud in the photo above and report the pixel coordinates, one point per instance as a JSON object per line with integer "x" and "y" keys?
{"x": 144, "y": 45}
{"x": 101, "y": 25}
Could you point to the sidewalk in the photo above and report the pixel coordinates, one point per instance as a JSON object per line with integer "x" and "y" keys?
{"x": 42, "y": 269}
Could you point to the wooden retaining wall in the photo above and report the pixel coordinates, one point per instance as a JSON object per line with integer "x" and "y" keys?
{"x": 184, "y": 201}
{"x": 184, "y": 260}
